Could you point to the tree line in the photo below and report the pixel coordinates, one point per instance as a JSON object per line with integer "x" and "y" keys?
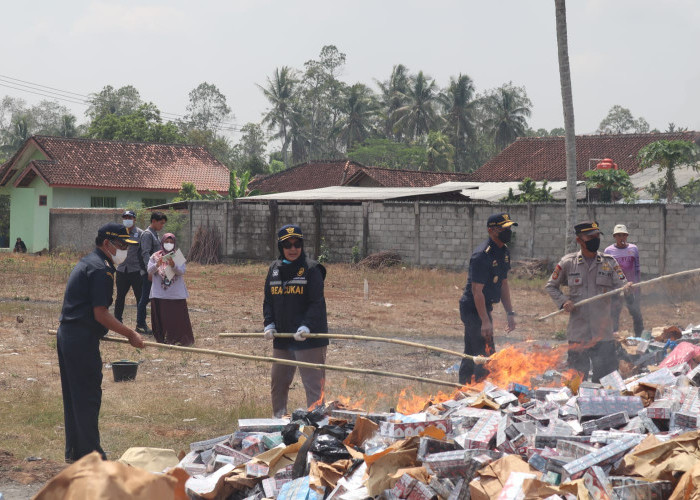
{"x": 406, "y": 121}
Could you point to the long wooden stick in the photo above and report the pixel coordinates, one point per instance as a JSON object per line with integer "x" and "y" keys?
{"x": 352, "y": 337}
{"x": 288, "y": 362}
{"x": 619, "y": 290}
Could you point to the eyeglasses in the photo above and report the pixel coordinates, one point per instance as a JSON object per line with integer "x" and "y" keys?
{"x": 119, "y": 245}
{"x": 289, "y": 244}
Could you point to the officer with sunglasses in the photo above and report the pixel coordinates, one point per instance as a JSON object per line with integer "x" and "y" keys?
{"x": 294, "y": 303}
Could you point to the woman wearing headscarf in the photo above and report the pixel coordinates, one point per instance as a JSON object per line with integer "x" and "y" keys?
{"x": 169, "y": 316}
{"x": 294, "y": 303}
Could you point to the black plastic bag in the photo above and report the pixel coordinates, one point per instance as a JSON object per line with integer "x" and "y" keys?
{"x": 328, "y": 449}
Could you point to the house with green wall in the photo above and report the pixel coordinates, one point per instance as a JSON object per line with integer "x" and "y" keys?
{"x": 57, "y": 172}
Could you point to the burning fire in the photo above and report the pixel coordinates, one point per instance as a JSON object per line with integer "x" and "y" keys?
{"x": 510, "y": 364}
{"x": 507, "y": 365}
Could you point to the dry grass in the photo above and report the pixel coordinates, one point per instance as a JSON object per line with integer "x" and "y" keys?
{"x": 179, "y": 398}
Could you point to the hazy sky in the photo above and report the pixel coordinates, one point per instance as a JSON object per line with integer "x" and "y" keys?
{"x": 641, "y": 54}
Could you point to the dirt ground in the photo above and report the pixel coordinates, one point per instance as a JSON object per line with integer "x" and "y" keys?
{"x": 180, "y": 398}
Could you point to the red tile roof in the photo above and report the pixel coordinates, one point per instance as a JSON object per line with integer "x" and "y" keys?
{"x": 544, "y": 158}
{"x": 88, "y": 163}
{"x": 318, "y": 174}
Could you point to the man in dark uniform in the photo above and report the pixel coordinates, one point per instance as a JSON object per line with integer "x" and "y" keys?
{"x": 85, "y": 319}
{"x": 487, "y": 284}
{"x": 129, "y": 271}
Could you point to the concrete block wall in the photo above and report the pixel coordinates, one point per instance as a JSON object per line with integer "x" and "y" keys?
{"x": 341, "y": 226}
{"x": 439, "y": 234}
{"x": 75, "y": 229}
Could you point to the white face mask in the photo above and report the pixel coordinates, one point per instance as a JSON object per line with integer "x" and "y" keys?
{"x": 168, "y": 246}
{"x": 128, "y": 222}
{"x": 119, "y": 257}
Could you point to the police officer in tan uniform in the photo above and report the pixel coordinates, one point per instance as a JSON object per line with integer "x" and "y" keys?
{"x": 588, "y": 273}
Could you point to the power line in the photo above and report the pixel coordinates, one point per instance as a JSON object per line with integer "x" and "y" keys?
{"x": 84, "y": 100}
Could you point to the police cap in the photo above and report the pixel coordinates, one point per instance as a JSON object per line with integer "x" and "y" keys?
{"x": 114, "y": 231}
{"x": 500, "y": 220}
{"x": 289, "y": 231}
{"x": 587, "y": 227}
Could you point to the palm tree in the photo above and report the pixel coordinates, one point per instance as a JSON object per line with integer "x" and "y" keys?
{"x": 392, "y": 98}
{"x": 280, "y": 93}
{"x": 359, "y": 110}
{"x": 570, "y": 134}
{"x": 439, "y": 152}
{"x": 459, "y": 105}
{"x": 508, "y": 109}
{"x": 668, "y": 155}
{"x": 417, "y": 116}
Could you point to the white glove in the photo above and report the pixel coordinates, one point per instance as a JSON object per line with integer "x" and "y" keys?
{"x": 301, "y": 332}
{"x": 270, "y": 331}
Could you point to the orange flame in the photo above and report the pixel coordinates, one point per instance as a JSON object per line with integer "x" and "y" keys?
{"x": 507, "y": 365}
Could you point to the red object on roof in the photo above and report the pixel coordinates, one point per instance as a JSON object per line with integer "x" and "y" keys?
{"x": 544, "y": 158}
{"x": 606, "y": 164}
{"x": 138, "y": 166}
{"x": 319, "y": 174}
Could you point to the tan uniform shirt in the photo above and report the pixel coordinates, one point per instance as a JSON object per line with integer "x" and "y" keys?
{"x": 590, "y": 322}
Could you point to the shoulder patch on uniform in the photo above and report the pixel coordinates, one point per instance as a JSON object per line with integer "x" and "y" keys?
{"x": 556, "y": 272}
{"x": 275, "y": 273}
{"x": 620, "y": 274}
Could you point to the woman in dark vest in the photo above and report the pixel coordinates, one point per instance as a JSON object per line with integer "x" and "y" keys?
{"x": 294, "y": 303}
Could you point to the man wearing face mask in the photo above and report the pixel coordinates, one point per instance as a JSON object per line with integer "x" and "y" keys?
{"x": 487, "y": 284}
{"x": 129, "y": 271}
{"x": 588, "y": 273}
{"x": 85, "y": 319}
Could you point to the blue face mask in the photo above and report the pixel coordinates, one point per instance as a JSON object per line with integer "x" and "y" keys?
{"x": 285, "y": 261}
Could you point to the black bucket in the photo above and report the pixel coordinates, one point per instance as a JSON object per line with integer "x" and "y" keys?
{"x": 124, "y": 370}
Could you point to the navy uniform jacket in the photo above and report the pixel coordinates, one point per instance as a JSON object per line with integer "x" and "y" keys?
{"x": 488, "y": 265}
{"x": 90, "y": 284}
{"x": 293, "y": 298}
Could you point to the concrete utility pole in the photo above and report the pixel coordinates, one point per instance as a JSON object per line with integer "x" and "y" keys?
{"x": 570, "y": 137}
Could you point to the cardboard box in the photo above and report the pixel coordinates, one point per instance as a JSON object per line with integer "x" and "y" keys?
{"x": 409, "y": 429}
{"x": 600, "y": 406}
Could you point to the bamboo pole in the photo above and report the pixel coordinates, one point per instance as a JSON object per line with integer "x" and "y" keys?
{"x": 350, "y": 337}
{"x": 288, "y": 362}
{"x": 620, "y": 290}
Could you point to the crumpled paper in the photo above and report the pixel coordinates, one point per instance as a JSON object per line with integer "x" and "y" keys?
{"x": 92, "y": 477}
{"x": 660, "y": 461}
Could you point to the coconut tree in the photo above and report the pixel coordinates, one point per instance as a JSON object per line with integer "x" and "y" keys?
{"x": 507, "y": 110}
{"x": 460, "y": 108}
{"x": 280, "y": 92}
{"x": 668, "y": 155}
{"x": 570, "y": 134}
{"x": 392, "y": 98}
{"x": 417, "y": 116}
{"x": 359, "y": 109}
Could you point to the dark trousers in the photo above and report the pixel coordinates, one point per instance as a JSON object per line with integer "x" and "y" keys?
{"x": 124, "y": 282}
{"x": 600, "y": 357}
{"x": 474, "y": 344}
{"x": 80, "y": 366}
{"x": 143, "y": 301}
{"x": 633, "y": 306}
